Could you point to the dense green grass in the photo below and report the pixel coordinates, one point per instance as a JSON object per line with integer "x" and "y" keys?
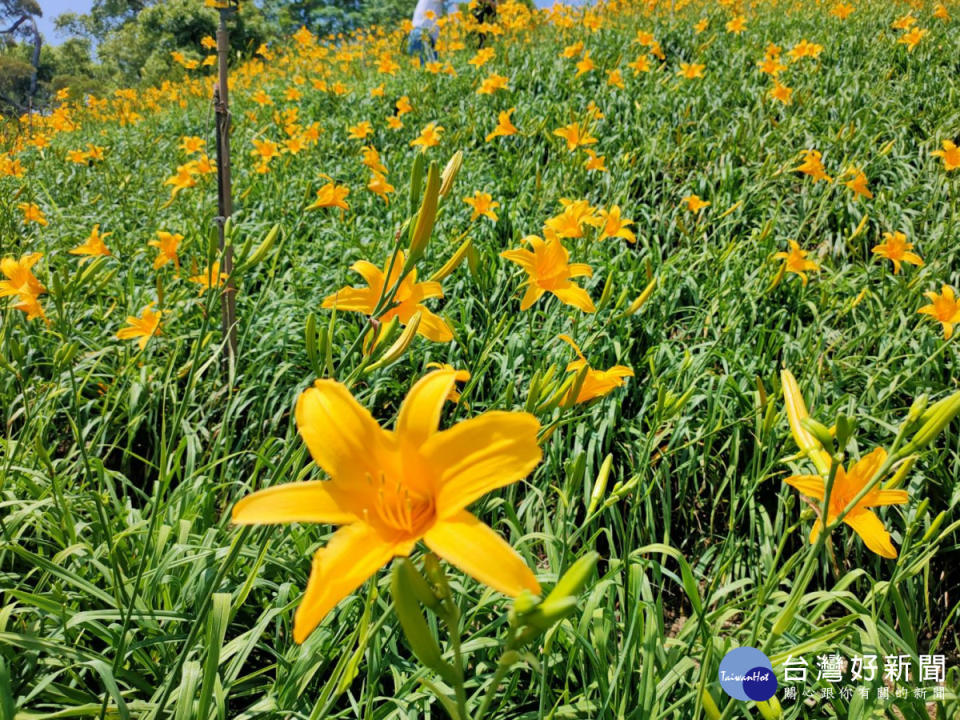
{"x": 127, "y": 593}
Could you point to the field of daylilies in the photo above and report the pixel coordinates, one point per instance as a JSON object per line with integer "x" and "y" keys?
{"x": 564, "y": 365}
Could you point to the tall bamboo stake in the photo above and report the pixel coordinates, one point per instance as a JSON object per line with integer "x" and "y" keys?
{"x": 221, "y": 102}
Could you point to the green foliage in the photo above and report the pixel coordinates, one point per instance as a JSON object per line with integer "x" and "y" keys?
{"x": 139, "y": 51}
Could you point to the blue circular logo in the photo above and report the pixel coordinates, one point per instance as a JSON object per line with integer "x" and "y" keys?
{"x": 747, "y": 674}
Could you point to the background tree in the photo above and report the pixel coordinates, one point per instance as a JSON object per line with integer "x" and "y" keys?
{"x": 18, "y": 19}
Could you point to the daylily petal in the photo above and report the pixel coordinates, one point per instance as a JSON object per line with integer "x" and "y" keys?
{"x": 479, "y": 455}
{"x": 863, "y": 470}
{"x": 354, "y": 553}
{"x": 420, "y": 411}
{"x": 369, "y": 272}
{"x": 868, "y": 526}
{"x": 342, "y": 436}
{"x": 433, "y": 327}
{"x": 523, "y": 258}
{"x": 531, "y": 295}
{"x": 475, "y": 548}
{"x": 314, "y": 501}
{"x": 575, "y": 296}
{"x": 885, "y": 497}
{"x": 809, "y": 485}
{"x": 353, "y": 299}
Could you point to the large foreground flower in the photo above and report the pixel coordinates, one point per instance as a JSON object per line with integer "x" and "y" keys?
{"x": 550, "y": 270}
{"x": 391, "y": 488}
{"x": 846, "y": 486}
{"x": 408, "y": 298}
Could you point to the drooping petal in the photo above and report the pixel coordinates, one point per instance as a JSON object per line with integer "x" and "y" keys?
{"x": 342, "y": 436}
{"x": 314, "y": 501}
{"x": 354, "y": 553}
{"x": 868, "y": 526}
{"x": 523, "y": 258}
{"x": 570, "y": 341}
{"x": 353, "y": 299}
{"x": 576, "y": 296}
{"x": 369, "y": 272}
{"x": 580, "y": 270}
{"x": 809, "y": 485}
{"x": 475, "y": 548}
{"x": 479, "y": 455}
{"x": 420, "y": 411}
{"x": 433, "y": 327}
{"x": 531, "y": 295}
{"x": 885, "y": 497}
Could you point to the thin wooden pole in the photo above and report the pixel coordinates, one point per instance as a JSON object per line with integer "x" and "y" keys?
{"x": 221, "y": 101}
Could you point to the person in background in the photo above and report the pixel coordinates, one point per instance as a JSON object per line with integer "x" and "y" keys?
{"x": 423, "y": 36}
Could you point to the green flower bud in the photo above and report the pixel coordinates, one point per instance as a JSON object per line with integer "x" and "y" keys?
{"x": 414, "y": 626}
{"x": 819, "y": 431}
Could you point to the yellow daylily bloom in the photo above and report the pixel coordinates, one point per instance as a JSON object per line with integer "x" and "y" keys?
{"x": 389, "y": 489}
{"x": 504, "y": 126}
{"x": 614, "y": 226}
{"x": 143, "y": 327}
{"x": 429, "y": 137}
{"x": 575, "y": 135}
{"x": 482, "y": 204}
{"x": 597, "y": 383}
{"x": 858, "y": 183}
{"x": 93, "y": 245}
{"x": 210, "y": 277}
{"x": 896, "y": 249}
{"x": 944, "y": 308}
{"x": 950, "y": 154}
{"x": 846, "y": 485}
{"x": 796, "y": 261}
{"x": 812, "y": 166}
{"x": 331, "y": 195}
{"x": 167, "y": 244}
{"x": 695, "y": 204}
{"x": 550, "y": 270}
{"x": 408, "y": 299}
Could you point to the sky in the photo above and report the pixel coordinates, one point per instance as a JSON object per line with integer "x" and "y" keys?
{"x": 52, "y": 8}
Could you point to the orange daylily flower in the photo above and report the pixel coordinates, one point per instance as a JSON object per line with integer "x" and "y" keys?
{"x": 504, "y": 126}
{"x": 597, "y": 383}
{"x": 407, "y": 301}
{"x": 93, "y": 245}
{"x": 812, "y": 166}
{"x": 482, "y": 204}
{"x": 550, "y": 270}
{"x": 429, "y": 137}
{"x": 167, "y": 244}
{"x": 896, "y": 249}
{"x": 943, "y": 308}
{"x": 796, "y": 262}
{"x": 575, "y": 135}
{"x": 143, "y": 327}
{"x": 210, "y": 277}
{"x": 846, "y": 485}
{"x": 615, "y": 226}
{"x": 950, "y": 154}
{"x": 390, "y": 489}
{"x": 331, "y": 195}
